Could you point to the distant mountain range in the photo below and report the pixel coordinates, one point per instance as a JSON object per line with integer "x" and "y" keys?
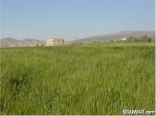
{"x": 116, "y": 36}
{"x": 104, "y": 37}
{"x": 25, "y": 42}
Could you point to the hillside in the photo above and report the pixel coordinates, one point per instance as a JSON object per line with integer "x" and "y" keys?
{"x": 104, "y": 37}
{"x": 116, "y": 36}
{"x": 8, "y": 41}
{"x": 25, "y": 42}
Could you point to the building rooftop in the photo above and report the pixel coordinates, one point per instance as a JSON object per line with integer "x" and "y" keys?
{"x": 55, "y": 38}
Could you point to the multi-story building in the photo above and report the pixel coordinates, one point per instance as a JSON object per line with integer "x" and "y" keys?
{"x": 54, "y": 41}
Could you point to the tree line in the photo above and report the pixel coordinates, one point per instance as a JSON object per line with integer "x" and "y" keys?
{"x": 144, "y": 38}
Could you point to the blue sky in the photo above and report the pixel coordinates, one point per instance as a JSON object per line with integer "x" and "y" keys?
{"x": 70, "y": 18}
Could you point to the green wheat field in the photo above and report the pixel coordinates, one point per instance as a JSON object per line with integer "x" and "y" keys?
{"x": 80, "y": 79}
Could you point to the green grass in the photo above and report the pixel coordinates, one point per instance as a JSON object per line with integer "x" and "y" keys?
{"x": 100, "y": 78}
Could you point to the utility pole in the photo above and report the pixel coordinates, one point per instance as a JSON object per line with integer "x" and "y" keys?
{"x": 76, "y": 39}
{"x": 118, "y": 37}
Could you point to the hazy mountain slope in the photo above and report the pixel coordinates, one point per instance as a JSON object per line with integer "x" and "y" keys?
{"x": 8, "y": 41}
{"x": 29, "y": 40}
{"x": 105, "y": 37}
{"x": 25, "y": 42}
{"x": 116, "y": 36}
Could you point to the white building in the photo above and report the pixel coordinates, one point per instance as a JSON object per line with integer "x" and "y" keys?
{"x": 54, "y": 41}
{"x": 123, "y": 39}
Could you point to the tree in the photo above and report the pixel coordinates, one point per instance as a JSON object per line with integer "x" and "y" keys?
{"x": 153, "y": 39}
{"x": 130, "y": 38}
{"x": 146, "y": 39}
